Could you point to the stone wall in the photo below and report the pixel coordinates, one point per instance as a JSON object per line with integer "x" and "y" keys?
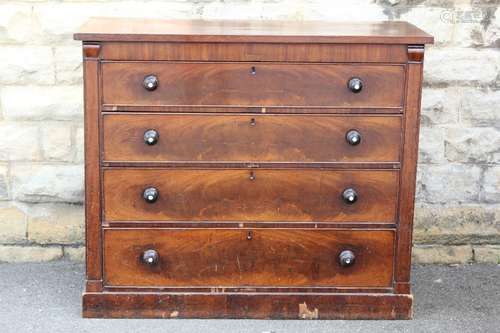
{"x": 41, "y": 170}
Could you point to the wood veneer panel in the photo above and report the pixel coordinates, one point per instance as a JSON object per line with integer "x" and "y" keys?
{"x": 234, "y": 84}
{"x": 266, "y": 31}
{"x": 187, "y": 109}
{"x": 227, "y": 257}
{"x": 313, "y": 195}
{"x": 247, "y": 305}
{"x": 91, "y": 70}
{"x": 409, "y": 170}
{"x": 368, "y": 53}
{"x": 246, "y": 138}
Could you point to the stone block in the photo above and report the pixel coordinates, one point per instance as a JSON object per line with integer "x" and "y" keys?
{"x": 480, "y": 107}
{"x": 4, "y": 182}
{"x": 68, "y": 65}
{"x": 431, "y": 145}
{"x": 25, "y": 65}
{"x": 18, "y": 25}
{"x": 489, "y": 254}
{"x": 492, "y": 33}
{"x": 473, "y": 145}
{"x": 459, "y": 224}
{"x": 11, "y": 253}
{"x": 74, "y": 253}
{"x": 56, "y": 224}
{"x": 440, "y": 106}
{"x": 56, "y": 141}
{"x": 442, "y": 254}
{"x": 80, "y": 144}
{"x": 42, "y": 103}
{"x": 491, "y": 185}
{"x": 12, "y": 224}
{"x": 47, "y": 183}
{"x": 448, "y": 183}
{"x": 479, "y": 66}
{"x": 20, "y": 141}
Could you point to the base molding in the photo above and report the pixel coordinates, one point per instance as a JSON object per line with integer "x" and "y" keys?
{"x": 247, "y": 305}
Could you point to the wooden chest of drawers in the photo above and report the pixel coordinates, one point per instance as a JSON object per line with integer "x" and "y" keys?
{"x": 250, "y": 169}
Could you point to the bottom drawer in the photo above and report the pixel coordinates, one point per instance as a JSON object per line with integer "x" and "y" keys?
{"x": 243, "y": 257}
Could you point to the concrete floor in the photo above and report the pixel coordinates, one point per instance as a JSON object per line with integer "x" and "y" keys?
{"x": 46, "y": 298}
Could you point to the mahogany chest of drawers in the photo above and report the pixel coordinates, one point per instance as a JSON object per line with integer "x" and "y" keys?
{"x": 243, "y": 169}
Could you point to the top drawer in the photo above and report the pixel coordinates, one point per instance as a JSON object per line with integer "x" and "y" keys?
{"x": 252, "y": 84}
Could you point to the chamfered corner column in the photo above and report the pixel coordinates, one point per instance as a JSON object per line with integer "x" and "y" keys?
{"x": 93, "y": 238}
{"x": 411, "y": 121}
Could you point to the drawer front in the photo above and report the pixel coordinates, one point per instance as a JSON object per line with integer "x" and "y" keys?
{"x": 259, "y": 257}
{"x": 243, "y": 195}
{"x": 243, "y": 138}
{"x": 257, "y": 84}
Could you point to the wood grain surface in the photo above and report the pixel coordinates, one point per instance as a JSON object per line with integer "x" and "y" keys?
{"x": 275, "y": 84}
{"x": 261, "y": 31}
{"x": 226, "y": 257}
{"x": 179, "y": 51}
{"x": 409, "y": 171}
{"x": 231, "y": 195}
{"x": 247, "y": 305}
{"x": 93, "y": 209}
{"x": 250, "y": 138}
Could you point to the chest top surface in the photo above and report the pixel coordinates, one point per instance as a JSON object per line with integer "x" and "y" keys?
{"x": 248, "y": 31}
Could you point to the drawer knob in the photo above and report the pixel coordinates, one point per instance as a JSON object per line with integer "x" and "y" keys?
{"x": 150, "y": 82}
{"x": 355, "y": 85}
{"x": 150, "y": 195}
{"x": 349, "y": 196}
{"x": 346, "y": 258}
{"x": 353, "y": 137}
{"x": 151, "y": 137}
{"x": 150, "y": 257}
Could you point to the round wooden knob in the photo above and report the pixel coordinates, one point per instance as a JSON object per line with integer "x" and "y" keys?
{"x": 349, "y": 196}
{"x": 150, "y": 82}
{"x": 347, "y": 258}
{"x": 355, "y": 85}
{"x": 353, "y": 137}
{"x": 150, "y": 194}
{"x": 150, "y": 257}
{"x": 151, "y": 137}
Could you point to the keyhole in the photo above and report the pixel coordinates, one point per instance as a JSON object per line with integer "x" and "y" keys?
{"x": 253, "y": 122}
{"x": 252, "y": 176}
{"x": 253, "y": 70}
{"x": 249, "y": 235}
